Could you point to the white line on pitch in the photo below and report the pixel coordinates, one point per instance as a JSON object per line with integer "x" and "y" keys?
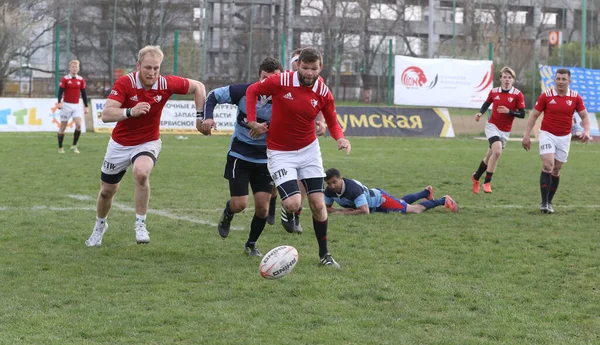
{"x": 162, "y": 213}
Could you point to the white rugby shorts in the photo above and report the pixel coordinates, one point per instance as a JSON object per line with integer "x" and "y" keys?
{"x": 296, "y": 165}
{"x": 558, "y": 145}
{"x": 492, "y": 131}
{"x": 118, "y": 157}
{"x": 70, "y": 110}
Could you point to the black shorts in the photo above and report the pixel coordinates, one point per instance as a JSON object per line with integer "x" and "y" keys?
{"x": 240, "y": 172}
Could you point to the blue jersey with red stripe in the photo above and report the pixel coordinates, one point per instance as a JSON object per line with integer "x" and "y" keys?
{"x": 354, "y": 195}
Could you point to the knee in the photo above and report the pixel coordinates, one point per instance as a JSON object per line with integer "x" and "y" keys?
{"x": 291, "y": 204}
{"x": 497, "y": 153}
{"x": 548, "y": 167}
{"x": 141, "y": 177}
{"x": 237, "y": 206}
{"x": 261, "y": 210}
{"x": 108, "y": 192}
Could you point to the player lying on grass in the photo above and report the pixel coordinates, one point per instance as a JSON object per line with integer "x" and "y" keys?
{"x": 356, "y": 198}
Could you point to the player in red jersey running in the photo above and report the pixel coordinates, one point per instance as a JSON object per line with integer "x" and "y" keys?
{"x": 71, "y": 85}
{"x": 292, "y": 224}
{"x": 135, "y": 103}
{"x": 558, "y": 105}
{"x": 292, "y": 147}
{"x": 508, "y": 103}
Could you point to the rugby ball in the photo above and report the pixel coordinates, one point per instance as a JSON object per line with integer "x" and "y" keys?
{"x": 278, "y": 262}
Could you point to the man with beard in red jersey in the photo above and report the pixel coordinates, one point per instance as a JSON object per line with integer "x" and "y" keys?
{"x": 292, "y": 147}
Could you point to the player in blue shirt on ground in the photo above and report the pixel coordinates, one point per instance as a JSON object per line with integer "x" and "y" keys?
{"x": 247, "y": 157}
{"x": 356, "y": 198}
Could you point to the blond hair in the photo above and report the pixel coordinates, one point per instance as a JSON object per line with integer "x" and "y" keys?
{"x": 508, "y": 70}
{"x": 150, "y": 50}
{"x": 76, "y": 62}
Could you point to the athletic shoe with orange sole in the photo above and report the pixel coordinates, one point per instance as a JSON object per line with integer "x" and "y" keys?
{"x": 430, "y": 189}
{"x": 476, "y": 185}
{"x": 450, "y": 204}
{"x": 487, "y": 187}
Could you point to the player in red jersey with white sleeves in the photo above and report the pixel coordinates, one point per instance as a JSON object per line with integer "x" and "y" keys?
{"x": 71, "y": 86}
{"x": 508, "y": 103}
{"x": 558, "y": 105}
{"x": 136, "y": 102}
{"x": 292, "y": 147}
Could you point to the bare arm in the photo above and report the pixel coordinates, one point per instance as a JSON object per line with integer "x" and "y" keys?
{"x": 533, "y": 116}
{"x": 585, "y": 123}
{"x": 364, "y": 209}
{"x": 199, "y": 91}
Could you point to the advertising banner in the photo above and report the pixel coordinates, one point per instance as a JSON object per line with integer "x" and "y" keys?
{"x": 583, "y": 80}
{"x": 178, "y": 117}
{"x": 442, "y": 82}
{"x": 32, "y": 115}
{"x": 395, "y": 121}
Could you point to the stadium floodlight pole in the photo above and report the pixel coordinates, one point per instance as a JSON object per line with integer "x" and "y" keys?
{"x": 390, "y": 70}
{"x": 454, "y": 29}
{"x": 112, "y": 53}
{"x": 583, "y": 31}
{"x": 204, "y": 39}
{"x": 69, "y": 31}
{"x": 248, "y": 77}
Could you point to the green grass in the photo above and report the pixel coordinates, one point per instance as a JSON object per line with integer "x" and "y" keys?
{"x": 499, "y": 272}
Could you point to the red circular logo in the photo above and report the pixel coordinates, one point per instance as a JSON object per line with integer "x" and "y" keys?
{"x": 413, "y": 77}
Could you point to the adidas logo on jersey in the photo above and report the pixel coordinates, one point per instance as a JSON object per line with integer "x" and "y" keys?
{"x": 134, "y": 98}
{"x": 552, "y": 102}
{"x": 288, "y": 96}
{"x": 497, "y": 98}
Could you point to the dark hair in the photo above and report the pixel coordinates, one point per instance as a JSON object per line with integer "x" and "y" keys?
{"x": 297, "y": 52}
{"x": 270, "y": 65}
{"x": 332, "y": 172}
{"x": 310, "y": 54}
{"x": 563, "y": 71}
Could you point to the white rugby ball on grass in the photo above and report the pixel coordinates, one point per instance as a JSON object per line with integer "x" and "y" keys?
{"x": 278, "y": 262}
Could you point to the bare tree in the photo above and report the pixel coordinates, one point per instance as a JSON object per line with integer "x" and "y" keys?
{"x": 23, "y": 25}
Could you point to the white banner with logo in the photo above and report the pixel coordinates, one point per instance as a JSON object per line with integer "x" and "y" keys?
{"x": 442, "y": 82}
{"x": 32, "y": 115}
{"x": 178, "y": 117}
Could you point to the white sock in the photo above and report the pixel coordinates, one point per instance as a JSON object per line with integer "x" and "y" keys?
{"x": 100, "y": 221}
{"x": 140, "y": 218}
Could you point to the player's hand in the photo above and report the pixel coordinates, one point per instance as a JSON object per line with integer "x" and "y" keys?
{"x": 344, "y": 144}
{"x": 59, "y": 105}
{"x": 502, "y": 109}
{"x": 206, "y": 126}
{"x": 257, "y": 129}
{"x": 477, "y": 117}
{"x": 526, "y": 143}
{"x": 86, "y": 110}
{"x": 585, "y": 137}
{"x": 141, "y": 108}
{"x": 321, "y": 128}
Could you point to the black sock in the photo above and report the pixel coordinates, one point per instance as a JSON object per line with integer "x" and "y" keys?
{"x": 256, "y": 228}
{"x": 410, "y": 198}
{"x": 76, "y": 135}
{"x": 60, "y": 140}
{"x": 488, "y": 177}
{"x": 228, "y": 211}
{"x": 321, "y": 233}
{"x": 553, "y": 187}
{"x": 482, "y": 168}
{"x": 545, "y": 181}
{"x": 433, "y": 203}
{"x": 272, "y": 205}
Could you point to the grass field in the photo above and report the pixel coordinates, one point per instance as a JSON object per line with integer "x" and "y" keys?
{"x": 498, "y": 272}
